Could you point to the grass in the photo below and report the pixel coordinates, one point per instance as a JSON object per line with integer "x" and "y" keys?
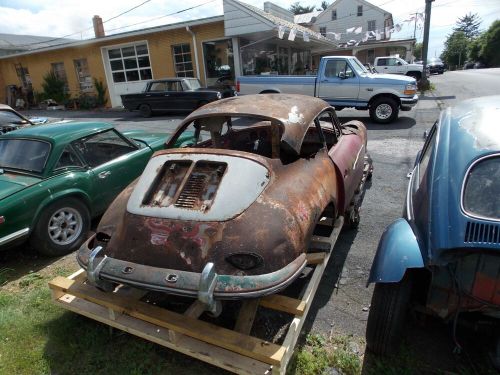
{"x": 37, "y": 337}
{"x": 320, "y": 354}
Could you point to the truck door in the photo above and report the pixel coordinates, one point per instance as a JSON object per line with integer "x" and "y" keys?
{"x": 338, "y": 83}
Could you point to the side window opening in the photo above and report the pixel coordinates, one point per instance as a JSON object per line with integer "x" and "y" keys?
{"x": 103, "y": 147}
{"x": 331, "y": 129}
{"x": 68, "y": 159}
{"x": 426, "y": 155}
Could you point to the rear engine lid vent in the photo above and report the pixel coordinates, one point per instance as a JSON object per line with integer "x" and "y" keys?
{"x": 482, "y": 233}
{"x": 199, "y": 190}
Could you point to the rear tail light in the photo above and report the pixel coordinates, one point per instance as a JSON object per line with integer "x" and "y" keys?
{"x": 238, "y": 86}
{"x": 2, "y": 219}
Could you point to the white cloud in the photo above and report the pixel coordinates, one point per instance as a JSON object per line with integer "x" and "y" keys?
{"x": 58, "y": 18}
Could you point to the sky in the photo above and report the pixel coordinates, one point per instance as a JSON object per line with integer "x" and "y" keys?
{"x": 73, "y": 18}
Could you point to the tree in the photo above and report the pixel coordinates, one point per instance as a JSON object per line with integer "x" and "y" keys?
{"x": 469, "y": 25}
{"x": 455, "y": 49}
{"x": 54, "y": 88}
{"x": 490, "y": 49}
{"x": 323, "y": 6}
{"x": 475, "y": 48}
{"x": 418, "y": 51}
{"x": 296, "y": 8}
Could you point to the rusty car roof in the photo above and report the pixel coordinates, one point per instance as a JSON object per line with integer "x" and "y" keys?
{"x": 294, "y": 112}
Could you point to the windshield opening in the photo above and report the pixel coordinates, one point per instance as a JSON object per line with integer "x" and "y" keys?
{"x": 24, "y": 154}
{"x": 358, "y": 67}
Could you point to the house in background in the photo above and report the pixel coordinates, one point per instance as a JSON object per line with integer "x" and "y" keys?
{"x": 244, "y": 40}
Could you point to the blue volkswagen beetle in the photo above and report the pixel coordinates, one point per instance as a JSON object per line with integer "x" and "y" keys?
{"x": 445, "y": 251}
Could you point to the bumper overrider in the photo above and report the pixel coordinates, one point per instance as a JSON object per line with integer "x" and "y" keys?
{"x": 207, "y": 286}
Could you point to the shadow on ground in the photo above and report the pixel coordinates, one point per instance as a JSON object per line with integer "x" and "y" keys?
{"x": 402, "y": 122}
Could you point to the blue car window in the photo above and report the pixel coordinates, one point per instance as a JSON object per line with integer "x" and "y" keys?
{"x": 482, "y": 189}
{"x": 426, "y": 155}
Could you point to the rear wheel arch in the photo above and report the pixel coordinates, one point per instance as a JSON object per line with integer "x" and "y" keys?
{"x": 415, "y": 74}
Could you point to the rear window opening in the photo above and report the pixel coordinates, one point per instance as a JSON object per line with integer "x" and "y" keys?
{"x": 482, "y": 189}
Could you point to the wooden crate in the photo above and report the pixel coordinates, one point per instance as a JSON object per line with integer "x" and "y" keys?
{"x": 232, "y": 349}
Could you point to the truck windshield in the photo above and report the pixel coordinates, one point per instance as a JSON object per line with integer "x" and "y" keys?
{"x": 358, "y": 67}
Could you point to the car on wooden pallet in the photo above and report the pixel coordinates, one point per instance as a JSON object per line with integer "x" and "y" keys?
{"x": 444, "y": 254}
{"x": 233, "y": 214}
{"x": 54, "y": 178}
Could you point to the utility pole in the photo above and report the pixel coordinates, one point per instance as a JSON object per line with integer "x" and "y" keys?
{"x": 424, "y": 81}
{"x": 415, "y": 26}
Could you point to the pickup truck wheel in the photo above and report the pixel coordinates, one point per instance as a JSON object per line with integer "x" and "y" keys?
{"x": 384, "y": 110}
{"x": 388, "y": 315}
{"x": 61, "y": 228}
{"x": 145, "y": 110}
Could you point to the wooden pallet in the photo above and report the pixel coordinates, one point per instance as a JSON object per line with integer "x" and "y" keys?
{"x": 232, "y": 349}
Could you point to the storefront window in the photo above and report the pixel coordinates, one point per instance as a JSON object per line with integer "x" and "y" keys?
{"x": 130, "y": 63}
{"x": 300, "y": 62}
{"x": 182, "y": 60}
{"x": 219, "y": 60}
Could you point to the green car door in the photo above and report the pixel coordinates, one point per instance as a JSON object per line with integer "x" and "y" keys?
{"x": 114, "y": 162}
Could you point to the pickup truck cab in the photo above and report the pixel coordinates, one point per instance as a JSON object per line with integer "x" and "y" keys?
{"x": 171, "y": 94}
{"x": 342, "y": 81}
{"x": 396, "y": 65}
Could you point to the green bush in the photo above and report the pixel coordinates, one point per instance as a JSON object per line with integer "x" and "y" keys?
{"x": 100, "y": 88}
{"x": 54, "y": 88}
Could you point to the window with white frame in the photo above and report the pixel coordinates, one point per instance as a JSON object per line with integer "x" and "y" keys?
{"x": 334, "y": 14}
{"x": 360, "y": 10}
{"x": 182, "y": 60}
{"x": 130, "y": 63}
{"x": 371, "y": 25}
{"x": 83, "y": 74}
{"x": 322, "y": 30}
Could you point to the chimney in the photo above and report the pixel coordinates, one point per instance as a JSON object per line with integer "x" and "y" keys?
{"x": 98, "y": 27}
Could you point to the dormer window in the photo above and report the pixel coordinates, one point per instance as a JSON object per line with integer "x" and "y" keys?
{"x": 334, "y": 14}
{"x": 360, "y": 10}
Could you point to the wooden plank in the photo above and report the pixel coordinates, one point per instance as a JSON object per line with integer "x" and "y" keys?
{"x": 315, "y": 258}
{"x": 246, "y": 316}
{"x": 195, "y": 309}
{"x": 214, "y": 355}
{"x": 308, "y": 295}
{"x": 79, "y": 275}
{"x": 261, "y": 350}
{"x": 283, "y": 303}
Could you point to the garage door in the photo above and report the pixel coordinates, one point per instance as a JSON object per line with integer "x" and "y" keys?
{"x": 128, "y": 68}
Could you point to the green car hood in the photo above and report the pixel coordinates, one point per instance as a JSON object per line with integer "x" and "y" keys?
{"x": 11, "y": 183}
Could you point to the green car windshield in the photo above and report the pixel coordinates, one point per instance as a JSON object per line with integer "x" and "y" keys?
{"x": 23, "y": 154}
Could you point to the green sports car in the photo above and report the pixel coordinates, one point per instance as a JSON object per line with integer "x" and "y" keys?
{"x": 55, "y": 178}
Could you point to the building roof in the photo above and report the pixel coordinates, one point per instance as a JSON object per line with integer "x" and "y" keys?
{"x": 281, "y": 22}
{"x": 149, "y": 30}
{"x": 16, "y": 42}
{"x": 306, "y": 17}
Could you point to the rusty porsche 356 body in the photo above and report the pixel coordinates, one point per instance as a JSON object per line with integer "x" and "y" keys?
{"x": 231, "y": 215}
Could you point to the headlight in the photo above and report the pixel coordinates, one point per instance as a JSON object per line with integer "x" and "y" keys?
{"x": 219, "y": 95}
{"x": 410, "y": 89}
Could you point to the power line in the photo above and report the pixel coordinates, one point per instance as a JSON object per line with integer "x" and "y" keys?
{"x": 88, "y": 28}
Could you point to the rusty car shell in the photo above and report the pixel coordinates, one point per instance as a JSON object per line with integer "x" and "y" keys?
{"x": 249, "y": 221}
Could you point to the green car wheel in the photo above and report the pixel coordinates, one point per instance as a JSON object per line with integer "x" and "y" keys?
{"x": 61, "y": 227}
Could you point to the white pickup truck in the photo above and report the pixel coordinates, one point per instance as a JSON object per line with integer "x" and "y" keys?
{"x": 396, "y": 65}
{"x": 343, "y": 82}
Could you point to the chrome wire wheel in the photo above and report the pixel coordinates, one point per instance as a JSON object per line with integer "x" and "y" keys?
{"x": 65, "y": 226}
{"x": 383, "y": 111}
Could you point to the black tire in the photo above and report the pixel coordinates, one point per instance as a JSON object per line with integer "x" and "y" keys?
{"x": 76, "y": 218}
{"x": 384, "y": 110}
{"x": 353, "y": 219}
{"x": 416, "y": 75}
{"x": 145, "y": 110}
{"x": 440, "y": 72}
{"x": 387, "y": 316}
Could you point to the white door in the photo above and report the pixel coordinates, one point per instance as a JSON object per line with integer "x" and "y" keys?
{"x": 127, "y": 68}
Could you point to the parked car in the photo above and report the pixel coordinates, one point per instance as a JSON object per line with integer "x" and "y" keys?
{"x": 396, "y": 65}
{"x": 479, "y": 65}
{"x": 10, "y": 119}
{"x": 239, "y": 206}
{"x": 225, "y": 85}
{"x": 343, "y": 82}
{"x": 444, "y": 253}
{"x": 435, "y": 65}
{"x": 54, "y": 178}
{"x": 171, "y": 94}
{"x": 468, "y": 65}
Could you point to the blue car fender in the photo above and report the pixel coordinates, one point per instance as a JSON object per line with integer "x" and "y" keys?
{"x": 397, "y": 251}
